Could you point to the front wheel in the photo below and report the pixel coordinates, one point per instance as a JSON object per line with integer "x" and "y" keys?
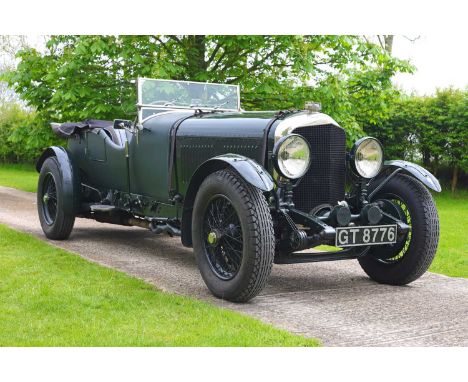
{"x": 405, "y": 261}
{"x": 233, "y": 236}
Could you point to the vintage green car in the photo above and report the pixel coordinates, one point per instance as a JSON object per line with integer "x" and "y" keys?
{"x": 244, "y": 189}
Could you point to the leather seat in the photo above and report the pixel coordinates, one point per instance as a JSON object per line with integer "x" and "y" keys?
{"x": 110, "y": 131}
{"x": 65, "y": 130}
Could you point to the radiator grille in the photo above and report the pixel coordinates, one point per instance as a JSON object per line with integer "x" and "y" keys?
{"x": 324, "y": 182}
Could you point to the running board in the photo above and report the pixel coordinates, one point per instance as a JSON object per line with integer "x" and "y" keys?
{"x": 102, "y": 208}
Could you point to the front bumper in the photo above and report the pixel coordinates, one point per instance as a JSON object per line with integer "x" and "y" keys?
{"x": 308, "y": 231}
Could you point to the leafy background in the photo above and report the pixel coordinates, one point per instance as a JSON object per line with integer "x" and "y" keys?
{"x": 80, "y": 77}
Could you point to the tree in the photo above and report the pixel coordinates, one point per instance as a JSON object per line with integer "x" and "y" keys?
{"x": 386, "y": 42}
{"x": 79, "y": 77}
{"x": 431, "y": 129}
{"x": 22, "y": 134}
{"x": 449, "y": 110}
{"x": 9, "y": 45}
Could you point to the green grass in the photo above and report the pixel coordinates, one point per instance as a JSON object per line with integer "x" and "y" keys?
{"x": 49, "y": 297}
{"x": 452, "y": 255}
{"x": 20, "y": 176}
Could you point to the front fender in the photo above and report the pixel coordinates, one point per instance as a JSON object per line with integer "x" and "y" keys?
{"x": 418, "y": 172}
{"x": 69, "y": 176}
{"x": 248, "y": 169}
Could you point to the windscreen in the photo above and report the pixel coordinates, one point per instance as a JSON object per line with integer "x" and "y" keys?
{"x": 184, "y": 94}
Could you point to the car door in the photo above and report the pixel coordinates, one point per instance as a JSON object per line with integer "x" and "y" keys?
{"x": 102, "y": 158}
{"x": 151, "y": 172}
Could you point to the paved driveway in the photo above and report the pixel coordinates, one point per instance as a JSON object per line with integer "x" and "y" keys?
{"x": 332, "y": 301}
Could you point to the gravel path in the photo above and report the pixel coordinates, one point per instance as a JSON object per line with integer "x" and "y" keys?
{"x": 332, "y": 301}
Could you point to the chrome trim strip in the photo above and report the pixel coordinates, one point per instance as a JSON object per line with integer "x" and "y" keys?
{"x": 163, "y": 113}
{"x": 149, "y": 106}
{"x": 289, "y": 124}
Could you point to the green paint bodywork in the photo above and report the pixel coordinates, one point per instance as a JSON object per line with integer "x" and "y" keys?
{"x": 140, "y": 171}
{"x": 151, "y": 172}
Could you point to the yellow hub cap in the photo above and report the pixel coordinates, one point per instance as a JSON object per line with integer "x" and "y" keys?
{"x": 212, "y": 238}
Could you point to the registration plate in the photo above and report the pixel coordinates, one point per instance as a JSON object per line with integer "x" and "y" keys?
{"x": 366, "y": 235}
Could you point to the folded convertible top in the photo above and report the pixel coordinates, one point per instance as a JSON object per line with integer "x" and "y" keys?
{"x": 66, "y": 130}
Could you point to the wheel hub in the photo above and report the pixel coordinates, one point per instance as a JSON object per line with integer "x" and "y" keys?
{"x": 394, "y": 252}
{"x": 222, "y": 237}
{"x": 49, "y": 199}
{"x": 213, "y": 238}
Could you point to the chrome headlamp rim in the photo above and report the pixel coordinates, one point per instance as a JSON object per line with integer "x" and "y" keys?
{"x": 354, "y": 150}
{"x": 276, "y": 151}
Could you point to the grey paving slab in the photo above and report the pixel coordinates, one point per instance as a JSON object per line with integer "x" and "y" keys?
{"x": 335, "y": 301}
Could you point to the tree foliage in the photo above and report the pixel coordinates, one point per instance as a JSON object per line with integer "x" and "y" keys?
{"x": 22, "y": 134}
{"x": 9, "y": 45}
{"x": 79, "y": 77}
{"x": 431, "y": 129}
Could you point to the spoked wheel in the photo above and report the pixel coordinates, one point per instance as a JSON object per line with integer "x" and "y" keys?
{"x": 49, "y": 199}
{"x": 233, "y": 237}
{"x": 55, "y": 214}
{"x": 409, "y": 258}
{"x": 393, "y": 205}
{"x": 223, "y": 232}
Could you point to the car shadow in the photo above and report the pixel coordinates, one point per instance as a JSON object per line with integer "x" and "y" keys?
{"x": 147, "y": 250}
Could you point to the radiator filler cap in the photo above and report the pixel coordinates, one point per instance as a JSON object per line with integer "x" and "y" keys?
{"x": 313, "y": 107}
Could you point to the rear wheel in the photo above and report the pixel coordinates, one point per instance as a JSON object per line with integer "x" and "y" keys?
{"x": 56, "y": 223}
{"x": 233, "y": 237}
{"x": 408, "y": 200}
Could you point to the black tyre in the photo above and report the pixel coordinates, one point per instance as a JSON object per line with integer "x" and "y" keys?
{"x": 233, "y": 237}
{"x": 56, "y": 222}
{"x": 411, "y": 256}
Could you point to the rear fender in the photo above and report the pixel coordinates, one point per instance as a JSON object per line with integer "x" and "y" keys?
{"x": 416, "y": 171}
{"x": 69, "y": 176}
{"x": 248, "y": 169}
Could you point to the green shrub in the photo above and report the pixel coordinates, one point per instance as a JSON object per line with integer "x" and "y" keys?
{"x": 432, "y": 130}
{"x": 23, "y": 135}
